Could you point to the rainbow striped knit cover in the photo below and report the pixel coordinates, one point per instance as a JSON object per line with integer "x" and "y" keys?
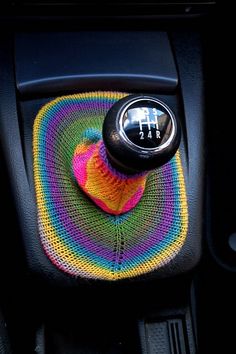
{"x": 113, "y": 191}
{"x": 85, "y": 236}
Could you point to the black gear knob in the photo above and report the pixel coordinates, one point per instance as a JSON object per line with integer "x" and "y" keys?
{"x": 140, "y": 133}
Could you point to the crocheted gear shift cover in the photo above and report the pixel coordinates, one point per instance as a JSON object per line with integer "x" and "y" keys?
{"x": 78, "y": 237}
{"x": 114, "y": 192}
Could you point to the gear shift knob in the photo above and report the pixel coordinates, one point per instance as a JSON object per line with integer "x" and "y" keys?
{"x": 140, "y": 133}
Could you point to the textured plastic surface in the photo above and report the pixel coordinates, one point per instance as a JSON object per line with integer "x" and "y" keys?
{"x": 58, "y": 62}
{"x": 168, "y": 336}
{"x": 165, "y": 337}
{"x": 4, "y": 340}
{"x": 157, "y": 340}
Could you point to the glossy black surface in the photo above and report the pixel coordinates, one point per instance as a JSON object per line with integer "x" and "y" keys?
{"x": 140, "y": 134}
{"x": 147, "y": 124}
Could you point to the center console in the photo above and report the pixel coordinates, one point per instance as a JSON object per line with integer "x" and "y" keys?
{"x": 134, "y": 282}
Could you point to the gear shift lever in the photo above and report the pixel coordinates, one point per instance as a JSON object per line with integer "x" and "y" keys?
{"x": 140, "y": 133}
{"x": 101, "y": 214}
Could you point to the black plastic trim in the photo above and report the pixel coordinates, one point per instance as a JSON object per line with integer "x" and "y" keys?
{"x": 126, "y": 60}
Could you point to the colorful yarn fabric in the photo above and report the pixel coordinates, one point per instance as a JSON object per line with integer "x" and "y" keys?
{"x": 112, "y": 191}
{"x": 78, "y": 237}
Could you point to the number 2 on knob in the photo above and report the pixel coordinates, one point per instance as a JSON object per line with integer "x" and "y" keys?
{"x": 141, "y": 135}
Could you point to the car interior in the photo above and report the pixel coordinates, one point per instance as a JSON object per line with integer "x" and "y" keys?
{"x": 117, "y": 222}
